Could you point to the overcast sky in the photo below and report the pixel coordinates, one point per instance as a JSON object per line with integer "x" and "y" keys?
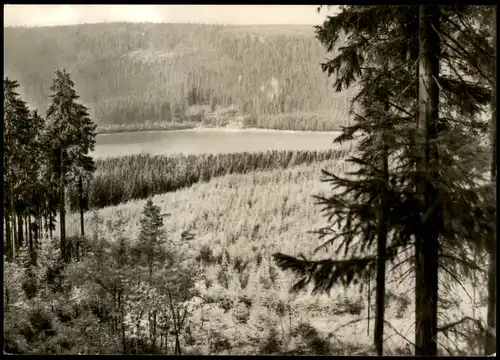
{"x": 49, "y": 15}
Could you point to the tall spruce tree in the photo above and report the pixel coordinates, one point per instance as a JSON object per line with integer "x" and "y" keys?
{"x": 426, "y": 241}
{"x": 73, "y": 137}
{"x": 37, "y": 189}
{"x": 22, "y": 130}
{"x": 83, "y": 164}
{"x": 16, "y": 141}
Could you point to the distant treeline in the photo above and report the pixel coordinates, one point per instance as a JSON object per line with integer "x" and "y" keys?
{"x": 132, "y": 73}
{"x": 121, "y": 179}
{"x": 291, "y": 121}
{"x": 301, "y": 121}
{"x": 147, "y": 126}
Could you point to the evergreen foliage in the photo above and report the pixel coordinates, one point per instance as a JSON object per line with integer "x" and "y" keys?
{"x": 71, "y": 135}
{"x": 354, "y": 208}
{"x": 41, "y": 158}
{"x": 121, "y": 179}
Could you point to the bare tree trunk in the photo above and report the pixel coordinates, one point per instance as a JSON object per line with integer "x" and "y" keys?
{"x": 7, "y": 300}
{"x": 176, "y": 319}
{"x": 14, "y": 233}
{"x": 37, "y": 234}
{"x": 8, "y": 235}
{"x": 177, "y": 344}
{"x": 382, "y": 248}
{"x": 166, "y": 340}
{"x": 82, "y": 220}
{"x": 38, "y": 230}
{"x": 62, "y": 208}
{"x": 154, "y": 329}
{"x": 51, "y": 221}
{"x": 8, "y": 211}
{"x": 426, "y": 242}
{"x": 120, "y": 304}
{"x": 39, "y": 222}
{"x": 52, "y": 217}
{"x": 490, "y": 343}
{"x": 45, "y": 224}
{"x": 369, "y": 301}
{"x": 19, "y": 231}
{"x": 32, "y": 247}
{"x": 26, "y": 229}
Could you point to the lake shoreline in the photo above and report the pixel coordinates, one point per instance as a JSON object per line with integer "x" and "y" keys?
{"x": 211, "y": 140}
{"x": 220, "y": 129}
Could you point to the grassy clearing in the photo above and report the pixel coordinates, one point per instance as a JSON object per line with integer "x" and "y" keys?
{"x": 243, "y": 304}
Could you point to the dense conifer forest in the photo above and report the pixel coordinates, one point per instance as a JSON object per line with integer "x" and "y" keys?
{"x": 133, "y": 73}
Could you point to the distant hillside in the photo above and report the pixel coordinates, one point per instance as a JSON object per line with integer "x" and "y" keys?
{"x": 133, "y": 73}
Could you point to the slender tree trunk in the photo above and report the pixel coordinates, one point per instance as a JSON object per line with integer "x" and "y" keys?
{"x": 45, "y": 225}
{"x": 7, "y": 210}
{"x": 30, "y": 229}
{"x": 154, "y": 329}
{"x": 82, "y": 220}
{"x": 166, "y": 340}
{"x": 177, "y": 342}
{"x": 120, "y": 304}
{"x": 381, "y": 257}
{"x": 39, "y": 222}
{"x": 369, "y": 301}
{"x": 426, "y": 242}
{"x": 51, "y": 217}
{"x": 8, "y": 235}
{"x": 15, "y": 241}
{"x": 20, "y": 231}
{"x": 13, "y": 231}
{"x": 62, "y": 209}
{"x": 26, "y": 229}
{"x": 490, "y": 345}
{"x": 175, "y": 318}
{"x": 7, "y": 299}
{"x": 36, "y": 236}
{"x": 51, "y": 221}
{"x": 32, "y": 247}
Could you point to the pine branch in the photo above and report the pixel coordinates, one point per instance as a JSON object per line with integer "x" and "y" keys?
{"x": 454, "y": 278}
{"x": 447, "y": 327}
{"x": 323, "y": 273}
{"x": 399, "y": 334}
{"x": 462, "y": 52}
{"x": 470, "y": 40}
{"x": 464, "y": 262}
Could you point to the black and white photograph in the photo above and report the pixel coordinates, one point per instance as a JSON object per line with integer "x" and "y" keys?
{"x": 250, "y": 180}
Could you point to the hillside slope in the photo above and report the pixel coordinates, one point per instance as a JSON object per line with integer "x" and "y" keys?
{"x": 132, "y": 73}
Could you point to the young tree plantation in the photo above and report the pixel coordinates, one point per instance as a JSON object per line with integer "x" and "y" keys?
{"x": 384, "y": 244}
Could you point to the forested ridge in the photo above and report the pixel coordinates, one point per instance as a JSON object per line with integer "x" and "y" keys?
{"x": 132, "y": 73}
